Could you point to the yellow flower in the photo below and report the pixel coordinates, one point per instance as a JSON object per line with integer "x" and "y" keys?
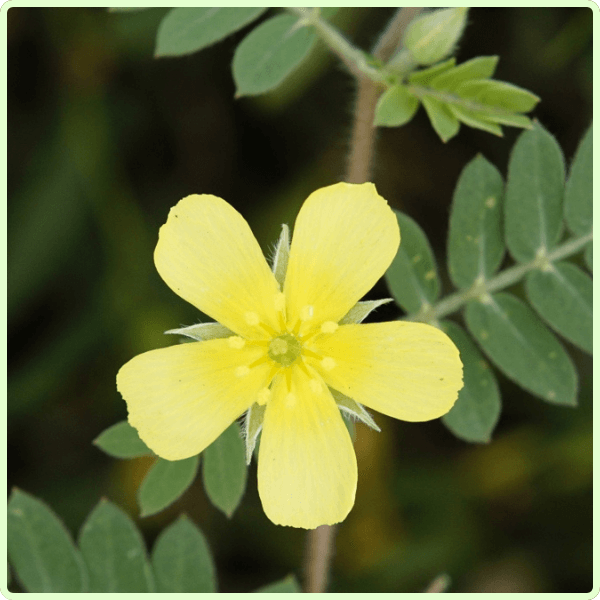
{"x": 287, "y": 348}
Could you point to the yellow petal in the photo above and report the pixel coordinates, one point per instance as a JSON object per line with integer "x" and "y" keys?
{"x": 182, "y": 398}
{"x": 409, "y": 371}
{"x": 208, "y": 255}
{"x": 345, "y": 238}
{"x": 306, "y": 465}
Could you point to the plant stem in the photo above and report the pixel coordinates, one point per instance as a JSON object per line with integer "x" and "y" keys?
{"x": 320, "y": 542}
{"x": 504, "y": 279}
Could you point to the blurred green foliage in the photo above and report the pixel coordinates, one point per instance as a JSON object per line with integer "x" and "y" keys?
{"x": 103, "y": 139}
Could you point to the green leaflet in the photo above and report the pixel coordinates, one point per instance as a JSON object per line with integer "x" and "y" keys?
{"x": 166, "y": 482}
{"x": 224, "y": 470}
{"x": 578, "y": 191}
{"x": 269, "y": 54}
{"x": 40, "y": 549}
{"x": 498, "y": 94}
{"x": 121, "y": 440}
{"x": 181, "y": 560}
{"x": 412, "y": 277}
{"x": 534, "y": 195}
{"x": 475, "y": 238}
{"x": 114, "y": 552}
{"x": 519, "y": 344}
{"x": 395, "y": 107}
{"x": 481, "y": 67}
{"x": 443, "y": 120}
{"x": 563, "y": 297}
{"x": 476, "y": 412}
{"x": 474, "y": 119}
{"x": 286, "y": 585}
{"x": 187, "y": 30}
{"x": 424, "y": 76}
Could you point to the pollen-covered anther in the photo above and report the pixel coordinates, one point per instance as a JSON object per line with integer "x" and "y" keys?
{"x": 329, "y": 327}
{"x": 290, "y": 400}
{"x": 242, "y": 371}
{"x": 263, "y": 396}
{"x": 307, "y": 312}
{"x": 235, "y": 341}
{"x": 251, "y": 318}
{"x": 328, "y": 363}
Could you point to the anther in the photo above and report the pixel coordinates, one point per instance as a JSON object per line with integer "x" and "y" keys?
{"x": 242, "y": 371}
{"x": 251, "y": 318}
{"x": 307, "y": 312}
{"x": 236, "y": 342}
{"x": 328, "y": 363}
{"x": 329, "y": 327}
{"x": 263, "y": 396}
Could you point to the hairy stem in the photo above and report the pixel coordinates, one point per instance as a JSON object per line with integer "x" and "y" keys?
{"x": 504, "y": 279}
{"x": 320, "y": 542}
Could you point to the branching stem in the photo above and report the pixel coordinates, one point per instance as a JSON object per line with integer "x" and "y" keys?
{"x": 504, "y": 279}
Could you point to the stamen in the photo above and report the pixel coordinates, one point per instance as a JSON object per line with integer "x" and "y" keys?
{"x": 329, "y": 327}
{"x": 259, "y": 361}
{"x": 235, "y": 341}
{"x": 242, "y": 371}
{"x": 307, "y": 312}
{"x": 311, "y": 354}
{"x": 263, "y": 396}
{"x": 328, "y": 363}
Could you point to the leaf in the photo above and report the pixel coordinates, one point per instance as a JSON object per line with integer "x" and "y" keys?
{"x": 395, "y": 107}
{"x": 578, "y": 191}
{"x": 121, "y": 440}
{"x": 424, "y": 76}
{"x": 481, "y": 67}
{"x": 269, "y": 54}
{"x": 473, "y": 118}
{"x": 286, "y": 585}
{"x": 433, "y": 36}
{"x": 477, "y": 409}
{"x": 187, "y": 30}
{"x": 40, "y": 548}
{"x": 519, "y": 344}
{"x": 563, "y": 297}
{"x": 224, "y": 470}
{"x": 443, "y": 121}
{"x": 114, "y": 552}
{"x": 499, "y": 94}
{"x": 165, "y": 483}
{"x": 534, "y": 194}
{"x": 412, "y": 277}
{"x": 181, "y": 560}
{"x": 475, "y": 238}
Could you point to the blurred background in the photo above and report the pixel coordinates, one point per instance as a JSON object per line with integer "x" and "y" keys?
{"x": 103, "y": 139}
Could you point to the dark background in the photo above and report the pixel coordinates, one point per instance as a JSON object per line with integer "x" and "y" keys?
{"x": 103, "y": 139}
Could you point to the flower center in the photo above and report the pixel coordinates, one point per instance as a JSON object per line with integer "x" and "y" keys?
{"x": 284, "y": 349}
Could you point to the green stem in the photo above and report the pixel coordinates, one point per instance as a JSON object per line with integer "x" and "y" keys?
{"x": 354, "y": 58}
{"x": 506, "y": 278}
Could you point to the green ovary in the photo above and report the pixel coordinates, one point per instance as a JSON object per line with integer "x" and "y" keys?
{"x": 284, "y": 349}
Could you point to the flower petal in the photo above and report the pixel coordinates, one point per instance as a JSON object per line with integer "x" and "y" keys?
{"x": 344, "y": 239}
{"x": 207, "y": 254}
{"x": 306, "y": 464}
{"x": 409, "y": 371}
{"x": 181, "y": 398}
